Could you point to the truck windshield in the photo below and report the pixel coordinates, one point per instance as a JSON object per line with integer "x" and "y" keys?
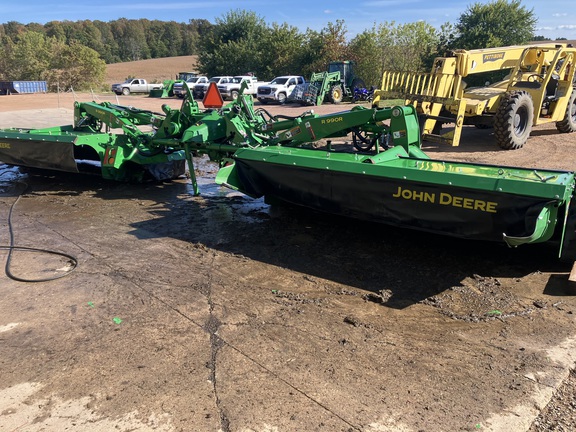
{"x": 279, "y": 81}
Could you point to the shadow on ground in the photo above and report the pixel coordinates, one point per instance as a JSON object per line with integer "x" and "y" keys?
{"x": 395, "y": 267}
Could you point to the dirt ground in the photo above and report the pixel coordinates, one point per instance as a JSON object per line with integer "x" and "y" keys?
{"x": 220, "y": 313}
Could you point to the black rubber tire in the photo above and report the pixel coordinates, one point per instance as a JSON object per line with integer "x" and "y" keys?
{"x": 336, "y": 94}
{"x": 125, "y": 91}
{"x": 234, "y": 94}
{"x": 568, "y": 252}
{"x": 568, "y": 125}
{"x": 513, "y": 120}
{"x": 282, "y": 98}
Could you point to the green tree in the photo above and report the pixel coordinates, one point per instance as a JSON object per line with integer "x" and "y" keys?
{"x": 74, "y": 66}
{"x": 56, "y": 30}
{"x": 192, "y": 33}
{"x": 28, "y": 57}
{"x": 172, "y": 38}
{"x": 281, "y": 48}
{"x": 131, "y": 39}
{"x": 320, "y": 48}
{"x": 6, "y": 53}
{"x": 89, "y": 35}
{"x": 109, "y": 51}
{"x": 369, "y": 54}
{"x": 155, "y": 38}
{"x": 234, "y": 45}
{"x": 13, "y": 29}
{"x": 494, "y": 24}
{"x": 389, "y": 46}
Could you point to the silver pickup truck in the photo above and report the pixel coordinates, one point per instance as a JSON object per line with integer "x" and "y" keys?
{"x": 135, "y": 85}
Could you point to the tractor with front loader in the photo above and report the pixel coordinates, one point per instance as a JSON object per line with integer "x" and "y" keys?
{"x": 293, "y": 159}
{"x": 334, "y": 85}
{"x": 539, "y": 88}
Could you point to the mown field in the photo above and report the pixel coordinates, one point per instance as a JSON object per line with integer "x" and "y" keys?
{"x": 153, "y": 70}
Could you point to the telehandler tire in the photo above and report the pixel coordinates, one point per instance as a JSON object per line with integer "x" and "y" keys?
{"x": 513, "y": 120}
{"x": 569, "y": 123}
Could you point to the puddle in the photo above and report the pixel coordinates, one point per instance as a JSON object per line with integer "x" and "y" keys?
{"x": 225, "y": 205}
{"x": 12, "y": 181}
{"x": 222, "y": 203}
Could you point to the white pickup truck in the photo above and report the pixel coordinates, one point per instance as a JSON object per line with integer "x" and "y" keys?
{"x": 179, "y": 89}
{"x": 135, "y": 85}
{"x": 200, "y": 89}
{"x": 231, "y": 89}
{"x": 279, "y": 89}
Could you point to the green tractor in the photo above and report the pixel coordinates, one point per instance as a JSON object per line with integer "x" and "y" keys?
{"x": 335, "y": 85}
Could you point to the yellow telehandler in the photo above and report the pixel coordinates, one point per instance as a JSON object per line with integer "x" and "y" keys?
{"x": 540, "y": 88}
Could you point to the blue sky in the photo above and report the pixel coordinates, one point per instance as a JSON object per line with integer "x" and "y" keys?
{"x": 556, "y": 18}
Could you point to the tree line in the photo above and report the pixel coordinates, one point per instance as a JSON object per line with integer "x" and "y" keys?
{"x": 75, "y": 54}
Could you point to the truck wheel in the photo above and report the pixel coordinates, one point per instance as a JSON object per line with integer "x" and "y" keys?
{"x": 569, "y": 123}
{"x": 357, "y": 83}
{"x": 125, "y": 91}
{"x": 513, "y": 120}
{"x": 281, "y": 98}
{"x": 234, "y": 94}
{"x": 336, "y": 95}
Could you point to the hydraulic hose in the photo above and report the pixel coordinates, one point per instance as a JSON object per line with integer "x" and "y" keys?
{"x": 12, "y": 247}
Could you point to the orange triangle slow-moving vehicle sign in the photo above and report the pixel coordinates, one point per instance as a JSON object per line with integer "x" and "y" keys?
{"x": 212, "y": 98}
